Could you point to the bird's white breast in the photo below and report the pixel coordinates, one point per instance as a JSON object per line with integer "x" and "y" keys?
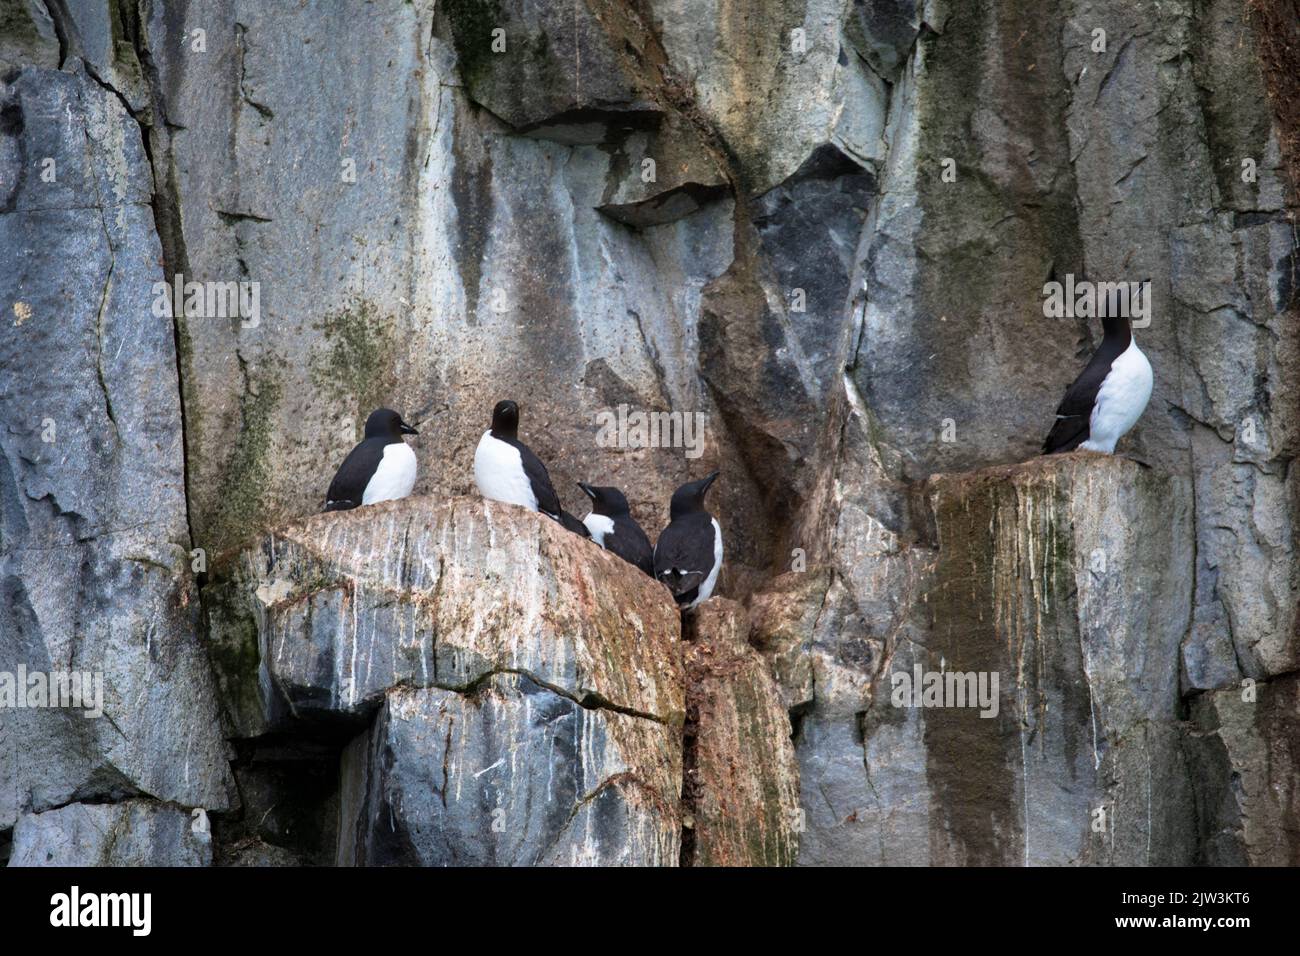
{"x": 599, "y": 526}
{"x": 499, "y": 473}
{"x": 1120, "y": 401}
{"x": 395, "y": 476}
{"x": 706, "y": 589}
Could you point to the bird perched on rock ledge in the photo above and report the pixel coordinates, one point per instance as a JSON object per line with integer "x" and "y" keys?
{"x": 505, "y": 469}
{"x": 688, "y": 555}
{"x": 381, "y": 468}
{"x": 613, "y": 528}
{"x": 1107, "y": 399}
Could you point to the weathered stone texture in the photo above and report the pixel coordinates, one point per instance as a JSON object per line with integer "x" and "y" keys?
{"x": 742, "y": 780}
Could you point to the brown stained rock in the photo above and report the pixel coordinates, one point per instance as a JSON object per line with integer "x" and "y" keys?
{"x": 785, "y": 617}
{"x": 1277, "y": 27}
{"x": 742, "y": 781}
{"x": 1063, "y": 576}
{"x": 345, "y": 606}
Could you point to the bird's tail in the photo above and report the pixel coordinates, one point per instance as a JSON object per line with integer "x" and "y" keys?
{"x": 1066, "y": 435}
{"x": 679, "y": 581}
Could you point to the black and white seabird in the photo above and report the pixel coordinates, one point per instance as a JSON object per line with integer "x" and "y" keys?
{"x": 381, "y": 468}
{"x": 688, "y": 555}
{"x": 613, "y": 528}
{"x": 1108, "y": 398}
{"x": 505, "y": 469}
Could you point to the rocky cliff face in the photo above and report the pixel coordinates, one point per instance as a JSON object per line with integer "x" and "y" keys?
{"x": 825, "y": 227}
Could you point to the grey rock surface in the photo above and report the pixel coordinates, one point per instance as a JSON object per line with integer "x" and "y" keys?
{"x": 132, "y": 833}
{"x": 1243, "y": 747}
{"x": 94, "y": 547}
{"x": 510, "y": 773}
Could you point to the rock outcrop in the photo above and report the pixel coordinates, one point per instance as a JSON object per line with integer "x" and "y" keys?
{"x": 1055, "y": 575}
{"x": 1049, "y": 620}
{"x": 515, "y": 694}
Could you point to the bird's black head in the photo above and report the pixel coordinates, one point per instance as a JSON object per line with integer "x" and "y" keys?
{"x": 606, "y": 501}
{"x": 1116, "y": 327}
{"x": 505, "y": 419}
{"x": 386, "y": 423}
{"x": 689, "y": 498}
{"x": 1119, "y": 328}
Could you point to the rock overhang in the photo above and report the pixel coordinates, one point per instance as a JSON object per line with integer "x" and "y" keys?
{"x": 346, "y": 606}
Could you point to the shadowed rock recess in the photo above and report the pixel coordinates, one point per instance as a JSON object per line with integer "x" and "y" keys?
{"x": 733, "y": 209}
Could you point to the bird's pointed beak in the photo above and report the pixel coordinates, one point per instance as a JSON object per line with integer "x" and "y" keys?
{"x": 407, "y": 429}
{"x": 587, "y": 490}
{"x": 708, "y": 481}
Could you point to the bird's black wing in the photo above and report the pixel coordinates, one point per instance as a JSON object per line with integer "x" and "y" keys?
{"x": 630, "y": 543}
{"x": 573, "y": 524}
{"x": 548, "y": 501}
{"x": 354, "y": 474}
{"x": 683, "y": 557}
{"x": 1075, "y": 411}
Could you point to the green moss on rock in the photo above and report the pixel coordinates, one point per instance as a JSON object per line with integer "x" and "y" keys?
{"x": 246, "y": 477}
{"x": 354, "y": 367}
{"x": 472, "y": 23}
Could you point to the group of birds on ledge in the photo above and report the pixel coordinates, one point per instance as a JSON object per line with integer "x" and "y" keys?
{"x": 686, "y": 558}
{"x": 1102, "y": 404}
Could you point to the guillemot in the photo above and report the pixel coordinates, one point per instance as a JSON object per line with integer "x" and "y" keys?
{"x": 381, "y": 468}
{"x": 688, "y": 554}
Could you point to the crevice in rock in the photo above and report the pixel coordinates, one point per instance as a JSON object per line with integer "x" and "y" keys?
{"x": 99, "y": 349}
{"x": 165, "y": 200}
{"x": 230, "y": 218}
{"x": 690, "y": 776}
{"x": 288, "y": 805}
{"x": 58, "y": 13}
{"x": 588, "y": 701}
{"x": 6, "y": 844}
{"x": 241, "y": 45}
{"x": 797, "y": 715}
{"x": 87, "y": 797}
{"x": 690, "y": 753}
